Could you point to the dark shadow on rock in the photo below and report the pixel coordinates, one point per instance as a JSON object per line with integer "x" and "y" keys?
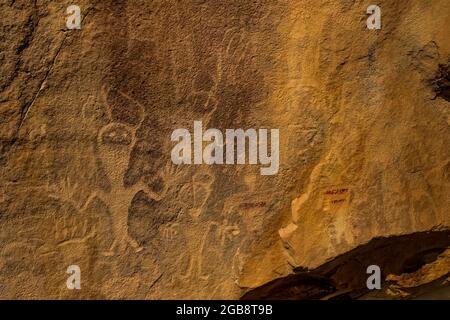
{"x": 345, "y": 276}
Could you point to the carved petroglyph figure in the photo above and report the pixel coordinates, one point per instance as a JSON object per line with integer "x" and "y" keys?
{"x": 230, "y": 56}
{"x": 115, "y": 143}
{"x": 169, "y": 231}
{"x": 212, "y": 243}
{"x": 250, "y": 207}
{"x": 72, "y": 225}
{"x": 236, "y": 47}
{"x": 201, "y": 190}
{"x": 169, "y": 176}
{"x": 227, "y": 232}
{"x": 194, "y": 268}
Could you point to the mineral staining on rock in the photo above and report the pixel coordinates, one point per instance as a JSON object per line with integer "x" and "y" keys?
{"x": 87, "y": 178}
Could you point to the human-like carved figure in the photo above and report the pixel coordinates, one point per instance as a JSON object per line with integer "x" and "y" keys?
{"x": 115, "y": 143}
{"x": 194, "y": 269}
{"x": 201, "y": 189}
{"x": 233, "y": 50}
{"x": 2, "y": 195}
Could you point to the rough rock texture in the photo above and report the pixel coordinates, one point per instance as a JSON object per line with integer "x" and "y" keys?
{"x": 86, "y": 176}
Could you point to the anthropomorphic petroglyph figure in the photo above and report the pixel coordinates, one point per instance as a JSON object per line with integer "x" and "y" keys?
{"x": 196, "y": 264}
{"x": 115, "y": 143}
{"x": 201, "y": 189}
{"x": 194, "y": 269}
{"x": 204, "y": 102}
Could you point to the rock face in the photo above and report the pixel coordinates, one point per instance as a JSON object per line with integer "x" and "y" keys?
{"x": 85, "y": 149}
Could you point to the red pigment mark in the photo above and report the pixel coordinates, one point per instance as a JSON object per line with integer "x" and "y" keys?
{"x": 336, "y": 191}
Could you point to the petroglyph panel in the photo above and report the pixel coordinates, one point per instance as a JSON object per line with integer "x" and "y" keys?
{"x": 86, "y": 117}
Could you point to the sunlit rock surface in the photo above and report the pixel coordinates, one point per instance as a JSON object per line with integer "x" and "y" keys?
{"x": 87, "y": 178}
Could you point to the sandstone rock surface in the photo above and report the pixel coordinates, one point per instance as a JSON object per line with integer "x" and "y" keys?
{"x": 87, "y": 179}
